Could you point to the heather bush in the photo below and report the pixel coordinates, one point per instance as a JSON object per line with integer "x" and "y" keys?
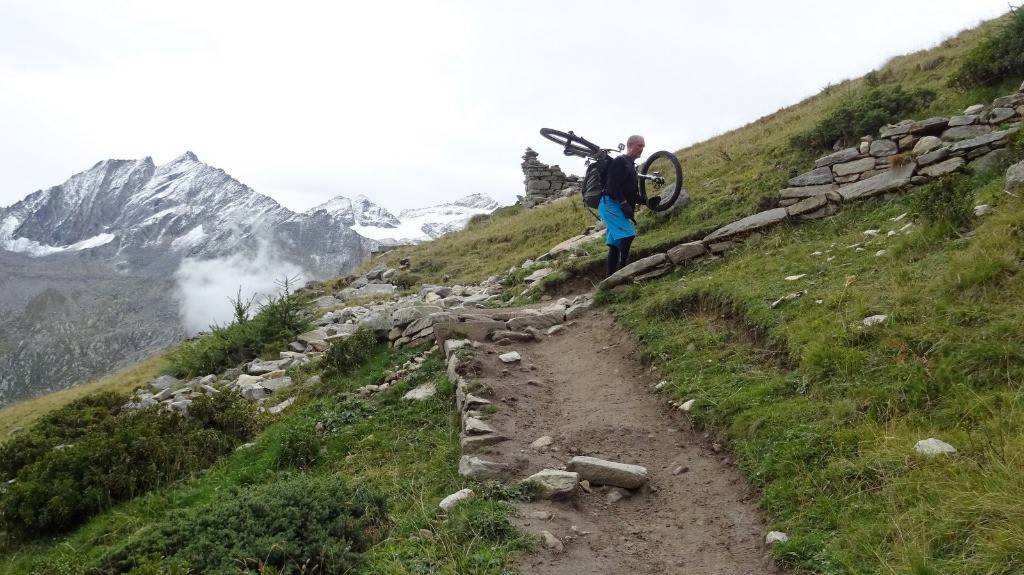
{"x": 303, "y": 525}
{"x": 998, "y": 59}
{"x": 349, "y": 354}
{"x": 862, "y": 114}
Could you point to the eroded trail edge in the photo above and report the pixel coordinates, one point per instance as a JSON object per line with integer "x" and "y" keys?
{"x": 581, "y": 391}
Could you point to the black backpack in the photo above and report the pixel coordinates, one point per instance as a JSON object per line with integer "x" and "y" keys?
{"x": 594, "y": 181}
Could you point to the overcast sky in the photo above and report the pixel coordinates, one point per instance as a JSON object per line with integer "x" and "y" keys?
{"x": 420, "y": 102}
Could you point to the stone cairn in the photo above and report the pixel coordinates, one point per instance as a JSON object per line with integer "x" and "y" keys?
{"x": 543, "y": 182}
{"x": 903, "y": 155}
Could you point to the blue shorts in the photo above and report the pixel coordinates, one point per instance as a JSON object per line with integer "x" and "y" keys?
{"x": 619, "y": 226}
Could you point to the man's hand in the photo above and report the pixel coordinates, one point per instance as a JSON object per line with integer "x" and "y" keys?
{"x": 627, "y": 210}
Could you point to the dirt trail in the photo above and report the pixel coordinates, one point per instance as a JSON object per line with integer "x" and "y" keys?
{"x": 586, "y": 389}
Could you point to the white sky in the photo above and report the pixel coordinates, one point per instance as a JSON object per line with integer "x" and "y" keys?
{"x": 415, "y": 103}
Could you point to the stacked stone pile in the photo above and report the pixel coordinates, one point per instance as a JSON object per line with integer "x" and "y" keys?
{"x": 906, "y": 154}
{"x": 543, "y": 182}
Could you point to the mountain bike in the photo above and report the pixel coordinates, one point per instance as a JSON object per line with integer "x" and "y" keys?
{"x": 661, "y": 169}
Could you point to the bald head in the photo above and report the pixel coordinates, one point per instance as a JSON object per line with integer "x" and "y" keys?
{"x": 635, "y": 146}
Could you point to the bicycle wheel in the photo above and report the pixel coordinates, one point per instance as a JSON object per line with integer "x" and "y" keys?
{"x": 572, "y": 145}
{"x": 669, "y": 178}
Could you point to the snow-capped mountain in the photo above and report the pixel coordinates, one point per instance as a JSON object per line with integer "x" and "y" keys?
{"x": 423, "y": 224}
{"x": 102, "y": 270}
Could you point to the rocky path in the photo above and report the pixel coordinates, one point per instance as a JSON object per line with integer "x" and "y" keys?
{"x": 585, "y": 389}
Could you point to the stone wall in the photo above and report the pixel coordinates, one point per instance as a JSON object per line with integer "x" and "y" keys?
{"x": 544, "y": 183}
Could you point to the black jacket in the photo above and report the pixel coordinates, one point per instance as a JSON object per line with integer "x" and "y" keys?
{"x": 621, "y": 181}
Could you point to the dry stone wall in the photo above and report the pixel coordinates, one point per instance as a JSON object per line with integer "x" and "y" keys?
{"x": 544, "y": 183}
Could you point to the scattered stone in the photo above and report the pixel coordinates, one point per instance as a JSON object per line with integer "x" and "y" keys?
{"x": 553, "y": 484}
{"x": 874, "y": 320}
{"x": 748, "y": 224}
{"x": 542, "y": 442}
{"x": 510, "y": 357}
{"x": 1015, "y": 178}
{"x": 585, "y": 486}
{"x": 602, "y": 472}
{"x": 982, "y": 210}
{"x": 541, "y": 515}
{"x": 634, "y": 269}
{"x": 480, "y": 469}
{"x": 788, "y": 297}
{"x": 680, "y": 469}
{"x": 617, "y": 494}
{"x": 555, "y": 329}
{"x": 281, "y": 406}
{"x": 461, "y": 495}
{"x": 423, "y": 392}
{"x": 687, "y": 405}
{"x": 794, "y": 277}
{"x": 551, "y": 542}
{"x": 775, "y": 537}
{"x": 932, "y": 446}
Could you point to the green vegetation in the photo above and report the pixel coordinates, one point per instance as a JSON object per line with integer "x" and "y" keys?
{"x": 279, "y": 319}
{"x": 298, "y": 525}
{"x": 821, "y": 411}
{"x": 90, "y": 456}
{"x": 997, "y": 59}
{"x": 863, "y": 113}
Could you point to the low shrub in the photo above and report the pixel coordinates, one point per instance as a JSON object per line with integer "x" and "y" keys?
{"x": 62, "y": 426}
{"x": 999, "y": 58}
{"x": 349, "y": 354}
{"x": 304, "y": 525}
{"x": 300, "y": 446}
{"x": 862, "y": 114}
{"x": 119, "y": 458}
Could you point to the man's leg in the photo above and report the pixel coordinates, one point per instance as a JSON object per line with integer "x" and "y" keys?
{"x": 613, "y": 259}
{"x": 624, "y": 244}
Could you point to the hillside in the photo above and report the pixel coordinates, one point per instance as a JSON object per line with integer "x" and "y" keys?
{"x": 763, "y": 348}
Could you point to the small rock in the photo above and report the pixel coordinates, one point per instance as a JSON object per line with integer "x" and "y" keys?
{"x": 585, "y": 486}
{"x": 679, "y": 470}
{"x": 448, "y": 502}
{"x": 617, "y": 494}
{"x": 874, "y": 320}
{"x": 794, "y": 278}
{"x": 542, "y": 442}
{"x": 932, "y": 446}
{"x": 542, "y": 515}
{"x": 552, "y": 542}
{"x": 775, "y": 537}
{"x": 510, "y": 357}
{"x": 982, "y": 210}
{"x": 426, "y": 534}
{"x": 687, "y": 405}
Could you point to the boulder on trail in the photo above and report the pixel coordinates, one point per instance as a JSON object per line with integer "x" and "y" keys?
{"x": 602, "y": 472}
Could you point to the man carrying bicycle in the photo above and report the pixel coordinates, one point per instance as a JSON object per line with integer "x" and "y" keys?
{"x": 621, "y": 196}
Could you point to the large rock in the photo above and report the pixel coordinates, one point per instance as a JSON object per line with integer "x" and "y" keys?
{"x": 815, "y": 177}
{"x": 402, "y": 317}
{"x": 163, "y": 382}
{"x": 540, "y": 321}
{"x": 687, "y": 251}
{"x": 855, "y": 167}
{"x": 553, "y": 484}
{"x": 428, "y": 322}
{"x": 806, "y": 192}
{"x": 980, "y": 141}
{"x": 633, "y": 270}
{"x": 602, "y": 472}
{"x": 999, "y": 115}
{"x": 807, "y": 205}
{"x": 927, "y": 144}
{"x": 1015, "y": 178}
{"x": 881, "y": 148}
{"x": 481, "y": 470}
{"x": 949, "y": 166}
{"x": 844, "y": 155}
{"x": 886, "y": 181}
{"x": 747, "y": 224}
{"x": 1011, "y": 101}
{"x": 932, "y": 446}
{"x": 929, "y": 126}
{"x": 936, "y": 155}
{"x": 966, "y": 132}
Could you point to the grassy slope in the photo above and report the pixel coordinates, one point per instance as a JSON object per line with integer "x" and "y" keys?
{"x": 823, "y": 414}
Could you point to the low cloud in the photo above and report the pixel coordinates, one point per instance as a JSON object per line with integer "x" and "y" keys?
{"x": 205, "y": 288}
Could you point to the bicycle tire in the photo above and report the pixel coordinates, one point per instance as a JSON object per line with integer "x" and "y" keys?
{"x": 572, "y": 145}
{"x": 669, "y": 193}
